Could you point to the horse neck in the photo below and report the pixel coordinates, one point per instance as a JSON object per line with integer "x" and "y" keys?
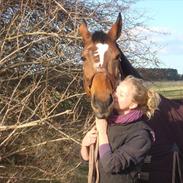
{"x": 127, "y": 68}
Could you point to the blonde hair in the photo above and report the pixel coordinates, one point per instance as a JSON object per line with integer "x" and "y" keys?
{"x": 147, "y": 99}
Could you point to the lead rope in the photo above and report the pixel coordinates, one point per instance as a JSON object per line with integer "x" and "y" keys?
{"x": 91, "y": 164}
{"x": 93, "y": 172}
{"x": 96, "y": 161}
{"x": 176, "y": 165}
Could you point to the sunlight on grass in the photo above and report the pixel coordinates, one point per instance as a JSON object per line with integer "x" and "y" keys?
{"x": 169, "y": 89}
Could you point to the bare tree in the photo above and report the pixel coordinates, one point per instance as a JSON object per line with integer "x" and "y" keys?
{"x": 43, "y": 110}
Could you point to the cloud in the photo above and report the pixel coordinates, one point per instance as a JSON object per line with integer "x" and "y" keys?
{"x": 180, "y": 37}
{"x": 168, "y": 40}
{"x": 155, "y": 34}
{"x": 169, "y": 44}
{"x": 163, "y": 50}
{"x": 174, "y": 45}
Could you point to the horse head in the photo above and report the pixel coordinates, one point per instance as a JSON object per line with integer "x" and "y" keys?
{"x": 101, "y": 67}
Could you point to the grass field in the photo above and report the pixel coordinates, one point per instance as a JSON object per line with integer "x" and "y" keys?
{"x": 169, "y": 89}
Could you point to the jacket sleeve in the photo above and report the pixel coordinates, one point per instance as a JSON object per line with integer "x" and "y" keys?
{"x": 131, "y": 153}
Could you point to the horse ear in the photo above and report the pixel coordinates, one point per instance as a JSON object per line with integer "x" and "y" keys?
{"x": 85, "y": 34}
{"x": 115, "y": 31}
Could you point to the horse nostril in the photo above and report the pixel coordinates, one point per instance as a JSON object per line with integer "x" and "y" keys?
{"x": 98, "y": 103}
{"x": 101, "y": 108}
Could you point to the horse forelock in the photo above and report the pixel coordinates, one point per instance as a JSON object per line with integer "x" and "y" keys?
{"x": 100, "y": 37}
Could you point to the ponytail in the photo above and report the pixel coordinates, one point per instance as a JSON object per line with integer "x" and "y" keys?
{"x": 153, "y": 100}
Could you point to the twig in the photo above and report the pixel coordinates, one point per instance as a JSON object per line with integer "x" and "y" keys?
{"x": 61, "y": 6}
{"x": 32, "y": 123}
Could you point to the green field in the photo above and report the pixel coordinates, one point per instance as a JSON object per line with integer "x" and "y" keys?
{"x": 169, "y": 89}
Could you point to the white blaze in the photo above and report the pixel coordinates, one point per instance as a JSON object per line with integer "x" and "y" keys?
{"x": 101, "y": 49}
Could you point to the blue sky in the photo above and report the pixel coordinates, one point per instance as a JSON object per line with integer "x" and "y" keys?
{"x": 166, "y": 16}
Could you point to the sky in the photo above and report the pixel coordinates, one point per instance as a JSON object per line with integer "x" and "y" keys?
{"x": 166, "y": 16}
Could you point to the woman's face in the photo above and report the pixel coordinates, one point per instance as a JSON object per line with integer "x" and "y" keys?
{"x": 123, "y": 97}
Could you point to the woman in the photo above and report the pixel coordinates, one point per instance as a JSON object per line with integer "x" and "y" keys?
{"x": 124, "y": 139}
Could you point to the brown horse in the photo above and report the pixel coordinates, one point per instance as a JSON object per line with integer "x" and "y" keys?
{"x": 104, "y": 66}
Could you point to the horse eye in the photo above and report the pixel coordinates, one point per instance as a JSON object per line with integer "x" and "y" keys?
{"x": 83, "y": 58}
{"x": 117, "y": 57}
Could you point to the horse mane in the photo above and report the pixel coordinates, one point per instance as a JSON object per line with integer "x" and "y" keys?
{"x": 126, "y": 67}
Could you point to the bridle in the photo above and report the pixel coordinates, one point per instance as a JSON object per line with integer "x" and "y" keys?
{"x": 109, "y": 76}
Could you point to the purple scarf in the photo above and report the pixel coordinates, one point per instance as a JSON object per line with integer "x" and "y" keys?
{"x": 132, "y": 116}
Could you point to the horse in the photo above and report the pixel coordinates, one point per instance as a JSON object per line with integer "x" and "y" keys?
{"x": 104, "y": 65}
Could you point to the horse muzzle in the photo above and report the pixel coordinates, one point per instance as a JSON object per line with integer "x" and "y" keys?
{"x": 102, "y": 108}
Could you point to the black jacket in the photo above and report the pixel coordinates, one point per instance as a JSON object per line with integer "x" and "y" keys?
{"x": 129, "y": 145}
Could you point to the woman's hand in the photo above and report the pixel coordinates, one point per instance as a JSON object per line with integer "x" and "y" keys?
{"x": 101, "y": 125}
{"x": 90, "y": 137}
